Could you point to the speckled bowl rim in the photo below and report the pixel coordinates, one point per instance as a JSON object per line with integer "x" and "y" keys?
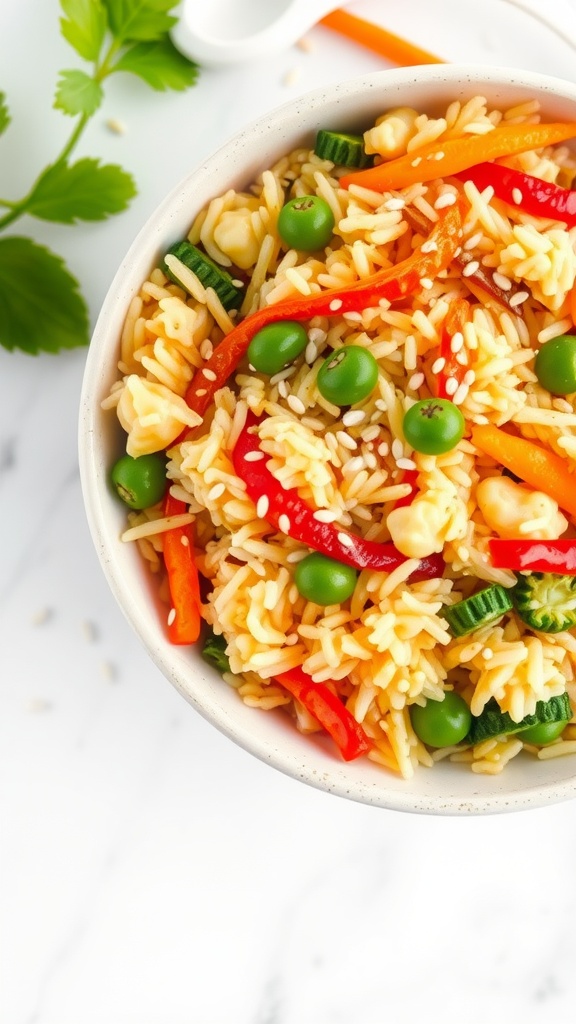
{"x": 447, "y": 789}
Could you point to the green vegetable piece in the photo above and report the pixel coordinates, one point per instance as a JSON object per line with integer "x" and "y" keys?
{"x": 277, "y": 345}
{"x": 141, "y": 482}
{"x": 433, "y": 426}
{"x": 494, "y": 722}
{"x": 323, "y": 580}
{"x": 208, "y": 273}
{"x": 441, "y": 723}
{"x": 306, "y": 223}
{"x": 476, "y": 611}
{"x": 347, "y": 376}
{"x": 541, "y": 735}
{"x": 342, "y": 148}
{"x": 555, "y": 365}
{"x": 546, "y": 601}
{"x": 214, "y": 651}
{"x": 4, "y": 113}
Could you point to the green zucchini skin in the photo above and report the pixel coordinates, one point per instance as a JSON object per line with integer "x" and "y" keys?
{"x": 481, "y": 609}
{"x": 546, "y": 601}
{"x": 208, "y": 273}
{"x": 342, "y": 148}
{"x": 494, "y": 722}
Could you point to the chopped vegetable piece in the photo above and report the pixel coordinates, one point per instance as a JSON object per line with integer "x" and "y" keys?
{"x": 323, "y": 580}
{"x": 441, "y": 723}
{"x": 524, "y": 191}
{"x": 329, "y": 711}
{"x": 341, "y": 148}
{"x": 555, "y": 365}
{"x": 214, "y": 651}
{"x": 285, "y": 509}
{"x": 348, "y": 375}
{"x": 277, "y": 345}
{"x": 306, "y": 223}
{"x": 537, "y": 466}
{"x": 537, "y": 555}
{"x": 393, "y": 283}
{"x": 433, "y": 426}
{"x": 178, "y": 545}
{"x": 479, "y": 610}
{"x": 453, "y": 369}
{"x": 208, "y": 273}
{"x": 140, "y": 482}
{"x": 546, "y": 601}
{"x": 446, "y": 157}
{"x": 541, "y": 735}
{"x": 494, "y": 722}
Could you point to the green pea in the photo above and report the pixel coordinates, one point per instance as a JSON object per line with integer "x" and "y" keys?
{"x": 441, "y": 723}
{"x": 140, "y": 482}
{"x": 543, "y": 733}
{"x": 555, "y": 365}
{"x": 323, "y": 580}
{"x": 348, "y": 375}
{"x": 433, "y": 426}
{"x": 277, "y": 345}
{"x": 306, "y": 223}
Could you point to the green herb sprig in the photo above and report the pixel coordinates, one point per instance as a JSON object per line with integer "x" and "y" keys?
{"x": 41, "y": 306}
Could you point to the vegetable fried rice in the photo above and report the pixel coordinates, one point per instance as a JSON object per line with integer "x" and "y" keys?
{"x": 349, "y": 400}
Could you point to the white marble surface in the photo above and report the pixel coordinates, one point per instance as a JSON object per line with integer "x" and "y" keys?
{"x": 152, "y": 873}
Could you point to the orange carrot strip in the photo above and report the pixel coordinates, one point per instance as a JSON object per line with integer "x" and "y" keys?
{"x": 539, "y": 467}
{"x": 184, "y": 621}
{"x": 445, "y": 157}
{"x": 378, "y": 39}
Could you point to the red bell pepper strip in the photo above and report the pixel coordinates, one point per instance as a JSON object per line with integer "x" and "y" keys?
{"x": 329, "y": 711}
{"x": 409, "y": 476}
{"x": 457, "y": 315}
{"x": 184, "y": 620}
{"x": 391, "y": 284}
{"x": 286, "y": 509}
{"x": 532, "y": 195}
{"x": 558, "y": 556}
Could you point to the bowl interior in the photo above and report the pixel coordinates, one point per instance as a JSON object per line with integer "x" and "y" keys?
{"x": 449, "y": 788}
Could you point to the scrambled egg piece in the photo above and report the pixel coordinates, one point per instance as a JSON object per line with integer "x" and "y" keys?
{"x": 234, "y": 234}
{"x": 152, "y": 416}
{"x": 512, "y": 510}
{"x": 433, "y": 518}
{"x": 392, "y": 132}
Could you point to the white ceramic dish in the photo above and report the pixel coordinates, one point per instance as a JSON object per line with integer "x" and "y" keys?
{"x": 448, "y": 788}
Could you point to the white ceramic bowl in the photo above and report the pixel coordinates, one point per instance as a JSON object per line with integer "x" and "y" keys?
{"x": 448, "y": 788}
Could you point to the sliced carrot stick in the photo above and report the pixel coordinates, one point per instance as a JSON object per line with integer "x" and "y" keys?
{"x": 378, "y": 39}
{"x": 445, "y": 157}
{"x": 539, "y": 467}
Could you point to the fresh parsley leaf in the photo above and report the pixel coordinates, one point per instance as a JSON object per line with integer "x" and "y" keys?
{"x": 160, "y": 64}
{"x": 78, "y": 93}
{"x": 41, "y": 309}
{"x": 4, "y": 113}
{"x": 214, "y": 651}
{"x": 84, "y": 27}
{"x": 84, "y": 190}
{"x": 139, "y": 20}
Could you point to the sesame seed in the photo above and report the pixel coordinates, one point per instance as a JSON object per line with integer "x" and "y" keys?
{"x": 216, "y": 492}
{"x": 353, "y": 417}
{"x": 326, "y": 515}
{"x": 439, "y": 155}
{"x": 451, "y": 386}
{"x": 200, "y": 392}
{"x": 335, "y": 305}
{"x": 184, "y": 541}
{"x": 370, "y": 460}
{"x": 487, "y": 653}
{"x": 425, "y": 282}
{"x": 416, "y": 381}
{"x": 429, "y": 246}
{"x": 470, "y": 268}
{"x": 501, "y": 281}
{"x": 237, "y": 282}
{"x": 311, "y": 352}
{"x": 346, "y": 540}
{"x": 438, "y": 365}
{"x": 345, "y": 440}
{"x": 283, "y": 389}
{"x": 381, "y": 404}
{"x": 206, "y": 348}
{"x": 397, "y": 448}
{"x": 395, "y": 203}
{"x": 296, "y": 404}
{"x": 284, "y": 523}
{"x": 171, "y": 616}
{"x": 317, "y": 335}
{"x": 519, "y": 298}
{"x": 473, "y": 241}
{"x": 262, "y": 506}
{"x": 462, "y": 358}
{"x": 469, "y": 377}
{"x": 447, "y": 199}
{"x": 296, "y": 556}
{"x": 283, "y": 374}
{"x": 456, "y": 342}
{"x": 406, "y": 464}
{"x": 383, "y": 449}
{"x": 355, "y": 465}
{"x": 209, "y": 374}
{"x": 517, "y": 196}
{"x": 251, "y": 368}
{"x": 370, "y": 433}
{"x": 253, "y": 456}
{"x": 417, "y": 161}
{"x": 460, "y": 394}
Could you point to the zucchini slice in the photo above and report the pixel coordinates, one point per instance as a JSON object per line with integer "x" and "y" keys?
{"x": 546, "y": 601}
{"x": 476, "y": 611}
{"x": 494, "y": 722}
{"x": 341, "y": 148}
{"x": 208, "y": 273}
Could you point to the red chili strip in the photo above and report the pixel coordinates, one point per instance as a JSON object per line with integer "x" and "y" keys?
{"x": 329, "y": 711}
{"x": 453, "y": 369}
{"x": 527, "y": 193}
{"x": 287, "y": 512}
{"x": 557, "y": 556}
{"x": 184, "y": 621}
